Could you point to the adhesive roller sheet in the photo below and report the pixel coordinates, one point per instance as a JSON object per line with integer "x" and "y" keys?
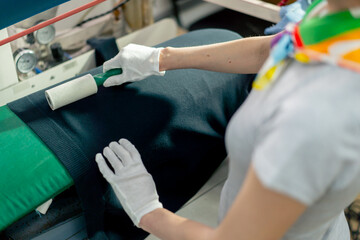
{"x": 71, "y": 91}
{"x": 77, "y": 89}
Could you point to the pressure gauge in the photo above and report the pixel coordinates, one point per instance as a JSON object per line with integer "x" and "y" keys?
{"x": 45, "y": 35}
{"x": 25, "y": 60}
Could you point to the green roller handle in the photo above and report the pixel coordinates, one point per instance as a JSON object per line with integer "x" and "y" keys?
{"x": 101, "y": 78}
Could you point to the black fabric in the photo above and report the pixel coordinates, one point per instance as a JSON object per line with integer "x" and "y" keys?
{"x": 105, "y": 49}
{"x": 232, "y": 20}
{"x": 177, "y": 122}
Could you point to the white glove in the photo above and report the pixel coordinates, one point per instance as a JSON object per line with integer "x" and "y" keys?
{"x": 132, "y": 184}
{"x": 137, "y": 63}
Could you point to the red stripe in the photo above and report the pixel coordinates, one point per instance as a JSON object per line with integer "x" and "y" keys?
{"x": 50, "y": 21}
{"x": 282, "y": 3}
{"x": 298, "y": 41}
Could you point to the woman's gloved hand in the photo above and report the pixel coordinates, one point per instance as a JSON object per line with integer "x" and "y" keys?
{"x": 137, "y": 63}
{"x": 292, "y": 13}
{"x": 132, "y": 184}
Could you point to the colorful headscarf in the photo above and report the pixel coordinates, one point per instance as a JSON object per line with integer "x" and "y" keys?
{"x": 330, "y": 38}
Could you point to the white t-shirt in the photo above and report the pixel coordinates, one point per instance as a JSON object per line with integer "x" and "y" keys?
{"x": 302, "y": 135}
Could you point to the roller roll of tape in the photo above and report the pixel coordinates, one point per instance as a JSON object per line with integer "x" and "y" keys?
{"x": 71, "y": 91}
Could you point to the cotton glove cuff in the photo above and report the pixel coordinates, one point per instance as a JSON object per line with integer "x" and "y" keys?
{"x": 292, "y": 13}
{"x": 137, "y": 62}
{"x": 151, "y": 206}
{"x": 143, "y": 198}
{"x": 132, "y": 184}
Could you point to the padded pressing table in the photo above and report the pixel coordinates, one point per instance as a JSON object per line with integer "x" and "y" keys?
{"x": 31, "y": 173}
{"x": 177, "y": 122}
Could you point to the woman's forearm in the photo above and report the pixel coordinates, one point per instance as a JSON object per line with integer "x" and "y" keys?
{"x": 166, "y": 225}
{"x": 245, "y": 55}
{"x": 255, "y": 206}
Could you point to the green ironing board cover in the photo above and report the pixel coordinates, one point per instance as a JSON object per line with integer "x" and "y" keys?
{"x": 30, "y": 173}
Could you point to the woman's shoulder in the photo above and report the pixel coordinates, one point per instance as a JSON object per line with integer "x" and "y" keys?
{"x": 325, "y": 93}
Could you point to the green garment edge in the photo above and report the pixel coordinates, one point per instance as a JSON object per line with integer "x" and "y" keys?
{"x": 31, "y": 174}
{"x": 317, "y": 29}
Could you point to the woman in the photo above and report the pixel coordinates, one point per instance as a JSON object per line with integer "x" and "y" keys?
{"x": 294, "y": 145}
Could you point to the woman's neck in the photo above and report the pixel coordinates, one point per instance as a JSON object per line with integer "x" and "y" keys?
{"x": 340, "y": 5}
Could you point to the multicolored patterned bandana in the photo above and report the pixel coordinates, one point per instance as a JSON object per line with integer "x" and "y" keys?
{"x": 320, "y": 37}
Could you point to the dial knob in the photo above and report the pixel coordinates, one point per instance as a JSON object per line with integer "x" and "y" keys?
{"x": 25, "y": 60}
{"x": 45, "y": 35}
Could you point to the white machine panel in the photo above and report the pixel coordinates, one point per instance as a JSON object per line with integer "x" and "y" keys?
{"x": 8, "y": 74}
{"x": 151, "y": 35}
{"x": 256, "y": 8}
{"x": 50, "y": 77}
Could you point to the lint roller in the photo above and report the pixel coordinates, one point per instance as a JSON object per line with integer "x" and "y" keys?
{"x": 77, "y": 89}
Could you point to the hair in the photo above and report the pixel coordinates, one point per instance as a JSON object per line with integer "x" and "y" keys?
{"x": 344, "y": 4}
